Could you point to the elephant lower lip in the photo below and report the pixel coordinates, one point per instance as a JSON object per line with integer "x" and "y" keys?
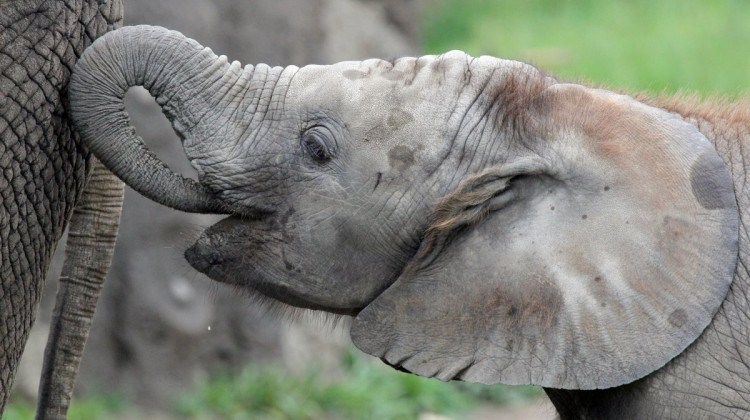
{"x": 225, "y": 269}
{"x": 290, "y": 297}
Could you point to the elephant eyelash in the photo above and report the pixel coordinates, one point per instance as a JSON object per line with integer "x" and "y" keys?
{"x": 314, "y": 143}
{"x": 316, "y": 150}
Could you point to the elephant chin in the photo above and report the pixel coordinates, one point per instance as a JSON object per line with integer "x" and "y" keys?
{"x": 206, "y": 256}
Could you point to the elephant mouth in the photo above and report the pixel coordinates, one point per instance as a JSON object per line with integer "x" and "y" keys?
{"x": 207, "y": 257}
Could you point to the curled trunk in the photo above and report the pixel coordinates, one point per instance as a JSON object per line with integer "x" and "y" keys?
{"x": 187, "y": 80}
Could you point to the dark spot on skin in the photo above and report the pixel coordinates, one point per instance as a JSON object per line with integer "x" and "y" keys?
{"x": 552, "y": 208}
{"x": 376, "y": 134}
{"x": 673, "y": 229}
{"x": 352, "y": 74}
{"x": 678, "y": 318}
{"x": 397, "y": 118}
{"x": 527, "y": 310}
{"x": 401, "y": 158}
{"x": 606, "y": 188}
{"x": 377, "y": 181}
{"x": 584, "y": 217}
{"x": 599, "y": 289}
{"x": 710, "y": 181}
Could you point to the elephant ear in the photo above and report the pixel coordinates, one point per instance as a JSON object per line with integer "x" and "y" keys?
{"x": 588, "y": 269}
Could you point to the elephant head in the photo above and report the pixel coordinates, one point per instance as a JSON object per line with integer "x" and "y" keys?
{"x": 478, "y": 219}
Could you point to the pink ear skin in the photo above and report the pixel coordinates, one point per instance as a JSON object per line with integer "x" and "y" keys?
{"x": 629, "y": 237}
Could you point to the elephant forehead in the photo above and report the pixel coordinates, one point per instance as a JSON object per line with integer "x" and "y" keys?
{"x": 406, "y": 79}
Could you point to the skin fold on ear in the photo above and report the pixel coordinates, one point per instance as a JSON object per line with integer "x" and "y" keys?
{"x": 589, "y": 273}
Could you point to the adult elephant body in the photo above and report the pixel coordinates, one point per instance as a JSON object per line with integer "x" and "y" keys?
{"x": 480, "y": 220}
{"x": 44, "y": 171}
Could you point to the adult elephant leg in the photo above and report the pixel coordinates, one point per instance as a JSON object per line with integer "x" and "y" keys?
{"x": 42, "y": 169}
{"x": 91, "y": 242}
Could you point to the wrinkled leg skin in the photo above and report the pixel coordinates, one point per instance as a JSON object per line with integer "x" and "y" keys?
{"x": 43, "y": 171}
{"x": 88, "y": 255}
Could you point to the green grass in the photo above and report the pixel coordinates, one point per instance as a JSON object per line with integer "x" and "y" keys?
{"x": 666, "y": 45}
{"x": 94, "y": 408}
{"x": 367, "y": 392}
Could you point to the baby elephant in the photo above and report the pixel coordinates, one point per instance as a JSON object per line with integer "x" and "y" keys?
{"x": 479, "y": 219}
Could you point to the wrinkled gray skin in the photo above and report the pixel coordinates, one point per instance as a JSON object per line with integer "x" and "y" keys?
{"x": 479, "y": 220}
{"x": 44, "y": 171}
{"x": 711, "y": 378}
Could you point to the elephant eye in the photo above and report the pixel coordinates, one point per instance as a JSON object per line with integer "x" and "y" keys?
{"x": 314, "y": 143}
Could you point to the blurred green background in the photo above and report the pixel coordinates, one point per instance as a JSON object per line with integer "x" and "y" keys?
{"x": 368, "y": 390}
{"x": 661, "y": 46}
